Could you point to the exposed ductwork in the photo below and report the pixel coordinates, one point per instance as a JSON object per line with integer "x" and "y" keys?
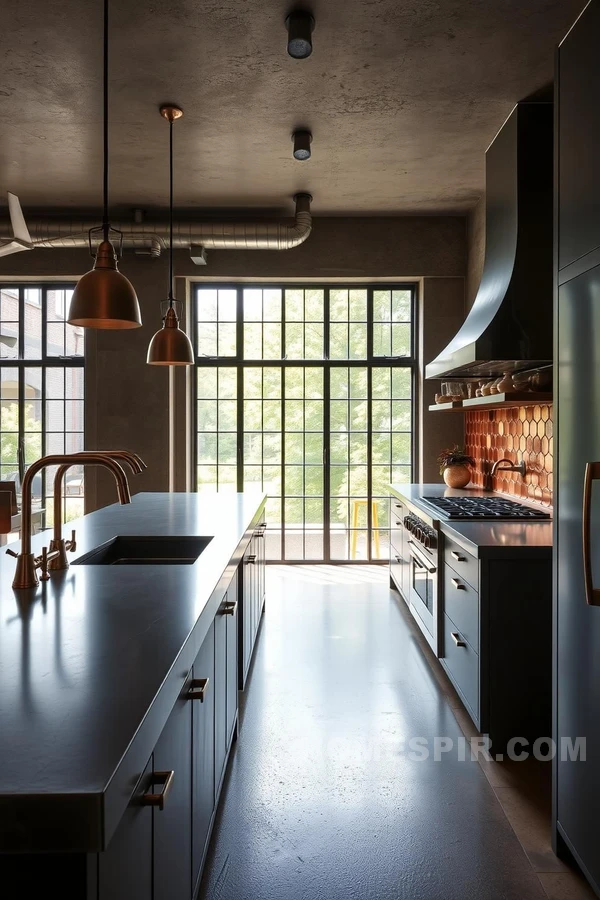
{"x": 149, "y": 238}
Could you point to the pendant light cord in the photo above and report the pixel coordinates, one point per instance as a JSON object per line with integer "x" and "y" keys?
{"x": 105, "y": 222}
{"x": 171, "y": 213}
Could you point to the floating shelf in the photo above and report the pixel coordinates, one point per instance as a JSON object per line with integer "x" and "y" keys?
{"x": 495, "y": 401}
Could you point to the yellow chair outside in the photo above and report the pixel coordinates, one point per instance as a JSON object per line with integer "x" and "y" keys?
{"x": 356, "y": 504}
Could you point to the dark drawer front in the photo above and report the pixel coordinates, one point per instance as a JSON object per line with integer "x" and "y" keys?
{"x": 463, "y": 665}
{"x": 397, "y": 513}
{"x": 461, "y": 603}
{"x": 465, "y": 565}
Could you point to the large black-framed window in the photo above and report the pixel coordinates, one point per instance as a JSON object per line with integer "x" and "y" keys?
{"x": 41, "y": 388}
{"x": 307, "y": 391}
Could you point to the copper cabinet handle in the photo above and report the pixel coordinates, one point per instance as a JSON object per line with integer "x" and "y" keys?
{"x": 592, "y": 473}
{"x": 158, "y": 800}
{"x": 398, "y": 523}
{"x": 457, "y": 639}
{"x": 457, "y": 556}
{"x": 458, "y": 584}
{"x": 251, "y": 558}
{"x": 198, "y": 689}
{"x": 229, "y": 609}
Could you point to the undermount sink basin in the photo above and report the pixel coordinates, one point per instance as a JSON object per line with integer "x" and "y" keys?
{"x": 125, "y": 550}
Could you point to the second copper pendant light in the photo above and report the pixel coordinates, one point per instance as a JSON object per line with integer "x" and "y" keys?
{"x": 170, "y": 346}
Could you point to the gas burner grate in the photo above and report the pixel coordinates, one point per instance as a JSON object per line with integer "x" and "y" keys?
{"x": 483, "y": 508}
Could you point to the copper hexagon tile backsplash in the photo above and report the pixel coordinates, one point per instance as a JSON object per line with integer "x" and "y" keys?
{"x": 523, "y": 432}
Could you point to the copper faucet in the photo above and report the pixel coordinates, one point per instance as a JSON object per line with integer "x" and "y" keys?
{"x": 521, "y": 468}
{"x": 58, "y": 543}
{"x": 25, "y": 575}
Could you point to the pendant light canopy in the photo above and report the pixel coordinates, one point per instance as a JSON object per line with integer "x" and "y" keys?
{"x": 170, "y": 346}
{"x": 104, "y": 298}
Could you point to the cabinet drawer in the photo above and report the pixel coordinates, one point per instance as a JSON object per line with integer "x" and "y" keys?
{"x": 461, "y": 603}
{"x": 465, "y": 565}
{"x": 397, "y": 513}
{"x": 462, "y": 664}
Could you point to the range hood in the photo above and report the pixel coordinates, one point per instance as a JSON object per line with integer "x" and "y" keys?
{"x": 509, "y": 327}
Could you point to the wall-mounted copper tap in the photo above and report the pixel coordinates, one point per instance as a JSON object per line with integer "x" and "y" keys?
{"x": 521, "y": 468}
{"x": 26, "y": 575}
{"x": 58, "y": 543}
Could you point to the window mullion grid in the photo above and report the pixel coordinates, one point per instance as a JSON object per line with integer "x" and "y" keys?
{"x": 326, "y": 432}
{"x": 283, "y": 425}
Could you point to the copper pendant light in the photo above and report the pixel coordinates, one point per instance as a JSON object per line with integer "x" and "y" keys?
{"x": 104, "y": 298}
{"x": 170, "y": 346}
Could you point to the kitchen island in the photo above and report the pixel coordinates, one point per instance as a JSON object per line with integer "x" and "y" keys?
{"x": 118, "y": 700}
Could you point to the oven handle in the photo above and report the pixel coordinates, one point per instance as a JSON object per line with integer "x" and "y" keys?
{"x": 419, "y": 559}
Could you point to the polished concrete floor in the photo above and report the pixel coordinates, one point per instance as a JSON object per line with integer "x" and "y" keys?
{"x": 323, "y": 799}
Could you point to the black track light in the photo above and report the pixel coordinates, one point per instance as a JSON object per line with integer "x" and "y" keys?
{"x": 300, "y": 27}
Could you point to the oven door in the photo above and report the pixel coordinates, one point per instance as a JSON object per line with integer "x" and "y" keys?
{"x": 423, "y": 585}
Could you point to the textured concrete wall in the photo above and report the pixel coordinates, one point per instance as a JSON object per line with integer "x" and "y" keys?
{"x": 442, "y": 311}
{"x": 128, "y": 401}
{"x": 475, "y": 250}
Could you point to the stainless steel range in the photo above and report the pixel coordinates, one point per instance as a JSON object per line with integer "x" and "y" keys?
{"x": 422, "y": 542}
{"x": 483, "y": 508}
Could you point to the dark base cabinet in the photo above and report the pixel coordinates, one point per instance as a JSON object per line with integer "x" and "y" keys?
{"x": 495, "y": 629}
{"x": 158, "y": 849}
{"x": 252, "y": 597}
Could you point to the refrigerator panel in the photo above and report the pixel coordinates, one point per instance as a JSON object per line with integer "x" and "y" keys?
{"x": 578, "y": 624}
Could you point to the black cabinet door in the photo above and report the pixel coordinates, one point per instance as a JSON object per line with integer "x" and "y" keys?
{"x": 172, "y": 839}
{"x": 203, "y": 749}
{"x": 232, "y": 658}
{"x": 220, "y": 692}
{"x": 246, "y": 616}
{"x": 579, "y": 139}
{"x": 125, "y": 868}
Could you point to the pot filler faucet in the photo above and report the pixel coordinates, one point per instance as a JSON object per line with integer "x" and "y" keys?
{"x": 521, "y": 467}
{"x": 27, "y": 563}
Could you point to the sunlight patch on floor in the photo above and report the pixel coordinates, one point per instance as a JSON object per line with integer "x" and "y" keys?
{"x": 332, "y": 574}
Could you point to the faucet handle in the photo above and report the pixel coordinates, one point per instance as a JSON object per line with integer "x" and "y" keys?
{"x": 44, "y": 565}
{"x": 72, "y": 544}
{"x": 12, "y": 553}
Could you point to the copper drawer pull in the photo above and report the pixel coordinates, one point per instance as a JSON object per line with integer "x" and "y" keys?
{"x": 158, "y": 800}
{"x": 457, "y": 639}
{"x": 398, "y": 523}
{"x": 457, "y": 556}
{"x": 458, "y": 584}
{"x": 198, "y": 689}
{"x": 229, "y": 609}
{"x": 592, "y": 473}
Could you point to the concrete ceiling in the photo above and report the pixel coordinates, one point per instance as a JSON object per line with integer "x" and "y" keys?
{"x": 402, "y": 97}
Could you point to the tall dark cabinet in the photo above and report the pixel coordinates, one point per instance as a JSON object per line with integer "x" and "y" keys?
{"x": 577, "y": 443}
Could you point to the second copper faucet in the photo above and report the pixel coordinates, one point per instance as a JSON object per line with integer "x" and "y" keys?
{"x": 58, "y": 543}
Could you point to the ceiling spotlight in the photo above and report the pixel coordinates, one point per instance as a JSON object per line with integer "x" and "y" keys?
{"x": 302, "y": 141}
{"x": 300, "y": 27}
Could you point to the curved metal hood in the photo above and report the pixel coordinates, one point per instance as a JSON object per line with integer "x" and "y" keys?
{"x": 509, "y": 326}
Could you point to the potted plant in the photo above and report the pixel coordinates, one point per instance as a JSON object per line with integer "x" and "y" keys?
{"x": 455, "y": 466}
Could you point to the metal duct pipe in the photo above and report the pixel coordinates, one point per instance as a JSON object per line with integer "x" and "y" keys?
{"x": 150, "y": 237}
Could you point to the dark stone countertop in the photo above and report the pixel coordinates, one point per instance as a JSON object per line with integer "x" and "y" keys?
{"x": 482, "y": 537}
{"x": 92, "y": 662}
